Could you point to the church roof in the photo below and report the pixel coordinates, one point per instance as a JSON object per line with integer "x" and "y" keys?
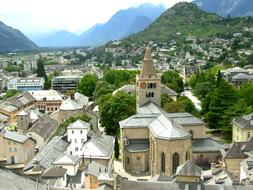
{"x": 148, "y": 68}
{"x": 138, "y": 145}
{"x": 164, "y": 128}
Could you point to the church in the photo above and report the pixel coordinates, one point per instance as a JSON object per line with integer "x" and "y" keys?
{"x": 156, "y": 142}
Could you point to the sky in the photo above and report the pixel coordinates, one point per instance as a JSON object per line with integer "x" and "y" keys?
{"x": 40, "y": 16}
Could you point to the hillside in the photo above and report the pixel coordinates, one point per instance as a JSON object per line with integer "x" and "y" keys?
{"x": 122, "y": 24}
{"x": 13, "y": 40}
{"x": 56, "y": 39}
{"x": 227, "y": 7}
{"x": 188, "y": 19}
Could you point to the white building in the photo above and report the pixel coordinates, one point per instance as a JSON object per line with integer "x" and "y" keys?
{"x": 26, "y": 84}
{"x": 77, "y": 136}
{"x": 70, "y": 163}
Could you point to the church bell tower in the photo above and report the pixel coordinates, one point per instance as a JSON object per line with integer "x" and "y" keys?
{"x": 148, "y": 83}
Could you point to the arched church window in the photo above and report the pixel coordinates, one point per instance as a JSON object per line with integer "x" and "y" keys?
{"x": 175, "y": 162}
{"x": 187, "y": 156}
{"x": 191, "y": 132}
{"x": 163, "y": 162}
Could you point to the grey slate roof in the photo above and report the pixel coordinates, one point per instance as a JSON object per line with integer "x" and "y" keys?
{"x": 167, "y": 90}
{"x": 138, "y": 121}
{"x": 79, "y": 124}
{"x": 66, "y": 159}
{"x": 54, "y": 172}
{"x": 206, "y": 145}
{"x": 49, "y": 153}
{"x": 237, "y": 149}
{"x": 16, "y": 136}
{"x": 99, "y": 146}
{"x": 188, "y": 169}
{"x": 245, "y": 121}
{"x": 12, "y": 181}
{"x": 138, "y": 145}
{"x": 44, "y": 126}
{"x": 184, "y": 118}
{"x": 95, "y": 169}
{"x": 163, "y": 128}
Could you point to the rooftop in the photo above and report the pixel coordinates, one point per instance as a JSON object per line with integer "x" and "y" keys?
{"x": 79, "y": 124}
{"x": 54, "y": 172}
{"x": 48, "y": 95}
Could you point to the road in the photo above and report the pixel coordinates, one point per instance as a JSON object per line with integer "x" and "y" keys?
{"x": 193, "y": 98}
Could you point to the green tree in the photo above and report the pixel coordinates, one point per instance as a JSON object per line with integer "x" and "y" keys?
{"x": 113, "y": 109}
{"x": 221, "y": 98}
{"x": 165, "y": 99}
{"x": 41, "y": 69}
{"x": 173, "y": 107}
{"x": 250, "y": 59}
{"x": 173, "y": 80}
{"x": 102, "y": 88}
{"x": 87, "y": 85}
{"x": 189, "y": 106}
{"x": 116, "y": 148}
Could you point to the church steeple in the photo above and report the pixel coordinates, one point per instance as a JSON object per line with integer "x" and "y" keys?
{"x": 148, "y": 82}
{"x": 148, "y": 68}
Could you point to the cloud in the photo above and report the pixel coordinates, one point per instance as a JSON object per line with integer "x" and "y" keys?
{"x": 38, "y": 16}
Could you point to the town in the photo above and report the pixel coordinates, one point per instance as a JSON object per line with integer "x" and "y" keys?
{"x": 174, "y": 114}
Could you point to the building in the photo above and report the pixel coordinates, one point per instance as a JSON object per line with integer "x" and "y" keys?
{"x": 98, "y": 148}
{"x": 64, "y": 83}
{"x": 70, "y": 107}
{"x": 242, "y": 128}
{"x": 55, "y": 176}
{"x": 92, "y": 172}
{"x": 16, "y": 148}
{"x": 26, "y": 84}
{"x": 42, "y": 130}
{"x": 233, "y": 154}
{"x": 150, "y": 138}
{"x": 77, "y": 135}
{"x": 10, "y": 108}
{"x": 46, "y": 156}
{"x": 47, "y": 101}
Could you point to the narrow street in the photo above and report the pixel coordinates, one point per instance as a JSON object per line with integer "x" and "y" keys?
{"x": 193, "y": 98}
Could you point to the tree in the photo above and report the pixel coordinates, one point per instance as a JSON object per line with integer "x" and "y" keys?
{"x": 221, "y": 98}
{"x": 116, "y": 148}
{"x": 41, "y": 70}
{"x": 189, "y": 106}
{"x": 175, "y": 107}
{"x": 42, "y": 73}
{"x": 165, "y": 99}
{"x": 113, "y": 109}
{"x": 87, "y": 85}
{"x": 250, "y": 59}
{"x": 102, "y": 89}
{"x": 173, "y": 80}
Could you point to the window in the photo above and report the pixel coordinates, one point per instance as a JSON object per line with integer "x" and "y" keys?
{"x": 10, "y": 149}
{"x": 175, "y": 162}
{"x": 138, "y": 158}
{"x": 187, "y": 156}
{"x": 81, "y": 132}
{"x": 163, "y": 162}
{"x": 75, "y": 140}
{"x": 70, "y": 152}
{"x": 14, "y": 149}
{"x": 72, "y": 131}
{"x": 76, "y": 148}
{"x": 82, "y": 140}
{"x": 128, "y": 161}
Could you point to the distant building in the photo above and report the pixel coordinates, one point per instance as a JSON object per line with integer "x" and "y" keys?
{"x": 47, "y": 101}
{"x": 26, "y": 84}
{"x": 64, "y": 83}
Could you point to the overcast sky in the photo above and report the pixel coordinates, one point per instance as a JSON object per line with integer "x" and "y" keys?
{"x": 39, "y": 16}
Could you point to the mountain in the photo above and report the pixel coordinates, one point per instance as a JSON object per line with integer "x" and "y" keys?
{"x": 227, "y": 7}
{"x": 121, "y": 24}
{"x": 188, "y": 19}
{"x": 13, "y": 40}
{"x": 60, "y": 38}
